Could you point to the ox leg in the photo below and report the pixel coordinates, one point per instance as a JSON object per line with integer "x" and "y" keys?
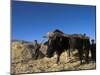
{"x": 58, "y": 59}
{"x": 80, "y": 51}
{"x": 68, "y": 56}
{"x": 87, "y": 55}
{"x": 71, "y": 53}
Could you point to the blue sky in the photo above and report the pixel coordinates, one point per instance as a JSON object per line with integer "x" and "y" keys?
{"x": 32, "y": 20}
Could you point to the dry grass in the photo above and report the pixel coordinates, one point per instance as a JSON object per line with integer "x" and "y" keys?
{"x": 44, "y": 64}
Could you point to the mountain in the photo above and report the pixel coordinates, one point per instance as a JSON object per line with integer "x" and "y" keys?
{"x": 23, "y": 41}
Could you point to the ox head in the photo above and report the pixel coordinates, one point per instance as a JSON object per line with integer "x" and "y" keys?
{"x": 53, "y": 43}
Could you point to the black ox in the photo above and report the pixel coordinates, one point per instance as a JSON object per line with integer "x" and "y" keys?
{"x": 58, "y": 43}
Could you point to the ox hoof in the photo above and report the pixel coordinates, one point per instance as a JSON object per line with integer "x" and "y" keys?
{"x": 58, "y": 63}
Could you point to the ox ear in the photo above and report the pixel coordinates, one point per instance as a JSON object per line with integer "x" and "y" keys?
{"x": 45, "y": 36}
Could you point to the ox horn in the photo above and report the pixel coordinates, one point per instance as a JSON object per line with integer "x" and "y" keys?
{"x": 42, "y": 42}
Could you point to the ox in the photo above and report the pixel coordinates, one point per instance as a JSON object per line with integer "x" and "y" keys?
{"x": 59, "y": 43}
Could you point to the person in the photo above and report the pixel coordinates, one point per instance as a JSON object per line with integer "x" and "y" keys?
{"x": 93, "y": 50}
{"x": 37, "y": 47}
{"x": 84, "y": 35}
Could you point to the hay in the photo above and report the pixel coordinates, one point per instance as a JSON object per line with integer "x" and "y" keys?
{"x": 22, "y": 62}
